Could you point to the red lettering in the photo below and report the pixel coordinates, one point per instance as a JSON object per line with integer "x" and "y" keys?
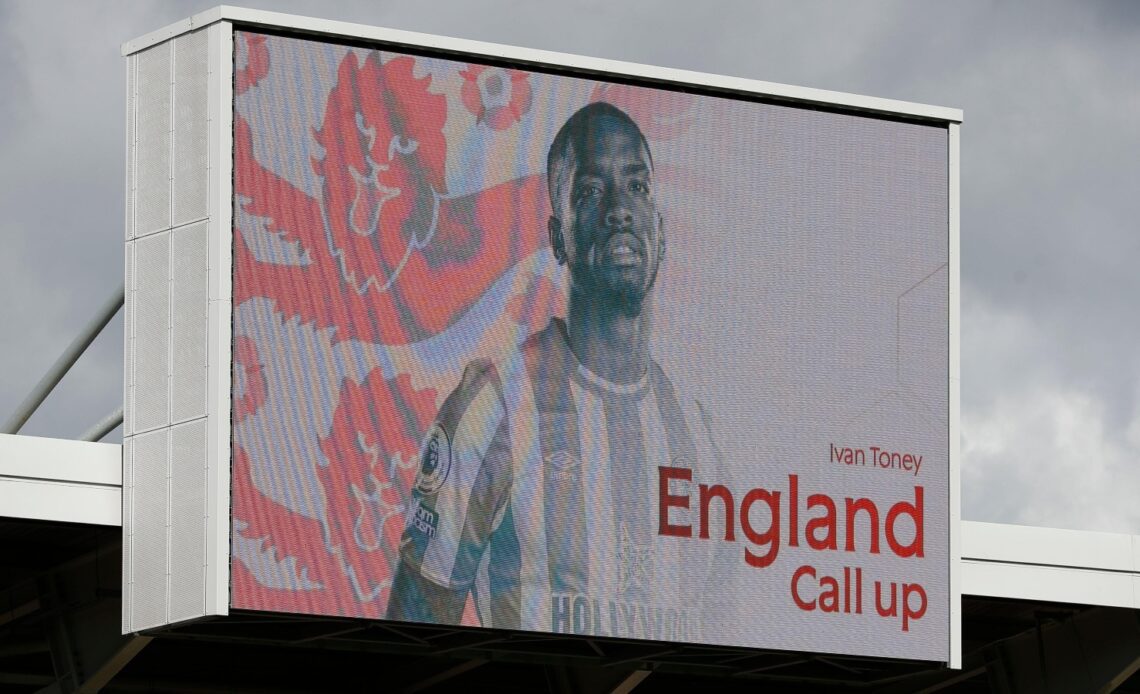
{"x": 721, "y": 492}
{"x": 909, "y": 589}
{"x": 793, "y": 511}
{"x": 882, "y": 609}
{"x": 667, "y": 501}
{"x": 771, "y": 536}
{"x": 914, "y": 549}
{"x": 829, "y": 594}
{"x": 854, "y": 506}
{"x": 805, "y": 606}
{"x": 826, "y": 522}
{"x": 821, "y": 531}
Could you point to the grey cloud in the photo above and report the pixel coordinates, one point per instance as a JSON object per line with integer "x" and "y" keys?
{"x": 12, "y": 116}
{"x": 61, "y": 192}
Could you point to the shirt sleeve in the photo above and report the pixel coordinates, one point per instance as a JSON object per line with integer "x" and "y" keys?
{"x": 462, "y": 483}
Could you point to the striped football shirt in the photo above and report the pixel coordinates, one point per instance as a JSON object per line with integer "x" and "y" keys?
{"x": 538, "y": 493}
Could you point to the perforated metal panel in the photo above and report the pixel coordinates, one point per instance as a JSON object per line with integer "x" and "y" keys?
{"x": 128, "y": 524}
{"x": 187, "y": 520}
{"x": 172, "y": 90}
{"x": 132, "y": 85}
{"x": 191, "y": 135}
{"x": 128, "y": 340}
{"x": 152, "y": 148}
{"x": 189, "y": 318}
{"x": 152, "y": 331}
{"x": 150, "y": 546}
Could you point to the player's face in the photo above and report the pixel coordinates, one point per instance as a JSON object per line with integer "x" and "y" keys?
{"x": 610, "y": 229}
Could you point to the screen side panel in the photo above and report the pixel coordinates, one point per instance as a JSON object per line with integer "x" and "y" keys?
{"x": 167, "y": 335}
{"x": 129, "y": 346}
{"x": 219, "y": 320}
{"x": 684, "y": 379}
{"x": 955, "y": 395}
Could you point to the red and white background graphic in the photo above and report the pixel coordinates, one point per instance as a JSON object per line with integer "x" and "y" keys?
{"x": 390, "y": 227}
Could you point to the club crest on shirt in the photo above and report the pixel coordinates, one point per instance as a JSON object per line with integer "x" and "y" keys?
{"x": 563, "y": 466}
{"x": 633, "y": 561}
{"x": 435, "y": 462}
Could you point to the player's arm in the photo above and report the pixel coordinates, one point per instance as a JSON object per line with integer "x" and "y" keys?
{"x": 450, "y": 517}
{"x": 418, "y": 599}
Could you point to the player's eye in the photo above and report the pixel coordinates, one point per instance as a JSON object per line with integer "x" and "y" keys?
{"x": 402, "y": 145}
{"x": 589, "y": 190}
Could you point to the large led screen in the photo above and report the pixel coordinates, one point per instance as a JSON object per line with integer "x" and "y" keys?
{"x": 535, "y": 352}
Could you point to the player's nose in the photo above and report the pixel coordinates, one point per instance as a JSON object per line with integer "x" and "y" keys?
{"x": 619, "y": 217}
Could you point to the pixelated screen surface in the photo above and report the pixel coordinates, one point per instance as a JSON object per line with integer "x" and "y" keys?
{"x": 530, "y": 351}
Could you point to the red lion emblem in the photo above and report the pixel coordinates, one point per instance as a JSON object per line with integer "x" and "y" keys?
{"x": 393, "y": 258}
{"x": 382, "y": 170}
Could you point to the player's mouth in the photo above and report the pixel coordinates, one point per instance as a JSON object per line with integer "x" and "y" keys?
{"x": 623, "y": 250}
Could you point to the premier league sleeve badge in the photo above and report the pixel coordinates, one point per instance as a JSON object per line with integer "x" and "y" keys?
{"x": 435, "y": 461}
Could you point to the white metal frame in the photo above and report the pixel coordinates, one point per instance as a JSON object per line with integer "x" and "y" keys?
{"x": 221, "y": 75}
{"x": 600, "y": 66}
{"x": 219, "y": 319}
{"x": 955, "y": 396}
{"x": 220, "y": 326}
{"x": 60, "y": 480}
{"x": 1067, "y": 566}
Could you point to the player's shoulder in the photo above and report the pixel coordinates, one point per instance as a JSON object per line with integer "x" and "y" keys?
{"x": 486, "y": 379}
{"x": 541, "y": 357}
{"x": 547, "y": 343}
{"x": 479, "y": 374}
{"x": 480, "y": 382}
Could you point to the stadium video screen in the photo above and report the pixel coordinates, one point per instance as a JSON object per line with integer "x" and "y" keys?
{"x": 536, "y": 352}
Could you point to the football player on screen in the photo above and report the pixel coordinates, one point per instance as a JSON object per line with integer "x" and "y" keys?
{"x": 538, "y": 488}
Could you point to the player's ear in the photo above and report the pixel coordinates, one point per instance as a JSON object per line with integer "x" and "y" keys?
{"x": 557, "y": 243}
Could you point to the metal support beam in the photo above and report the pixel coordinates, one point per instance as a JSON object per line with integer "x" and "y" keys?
{"x": 65, "y": 361}
{"x": 447, "y": 674}
{"x": 104, "y": 426}
{"x": 111, "y": 667}
{"x": 630, "y": 683}
{"x": 82, "y": 624}
{"x": 63, "y": 657}
{"x": 15, "y": 612}
{"x": 1094, "y": 651}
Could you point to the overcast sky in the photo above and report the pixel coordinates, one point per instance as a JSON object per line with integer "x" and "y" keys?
{"x": 1050, "y": 196}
